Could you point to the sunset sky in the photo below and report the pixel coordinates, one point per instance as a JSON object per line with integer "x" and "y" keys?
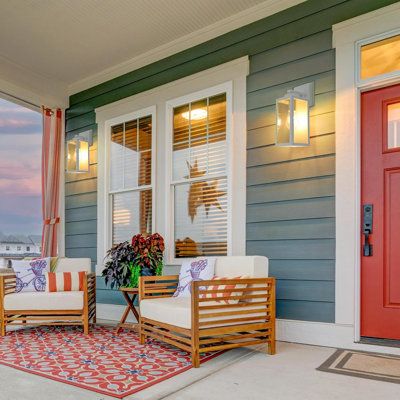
{"x": 20, "y": 164}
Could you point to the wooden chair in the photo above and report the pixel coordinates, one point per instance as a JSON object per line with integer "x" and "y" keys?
{"x": 200, "y": 324}
{"x": 45, "y": 308}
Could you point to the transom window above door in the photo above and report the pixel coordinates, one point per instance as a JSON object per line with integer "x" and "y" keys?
{"x": 199, "y": 177}
{"x": 380, "y": 57}
{"x": 131, "y": 178}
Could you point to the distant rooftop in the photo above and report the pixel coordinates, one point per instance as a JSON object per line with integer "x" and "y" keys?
{"x": 20, "y": 239}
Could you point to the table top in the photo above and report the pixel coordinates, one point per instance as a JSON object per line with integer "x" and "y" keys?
{"x": 129, "y": 289}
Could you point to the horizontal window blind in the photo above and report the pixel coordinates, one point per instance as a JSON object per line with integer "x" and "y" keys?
{"x": 200, "y": 178}
{"x": 130, "y": 178}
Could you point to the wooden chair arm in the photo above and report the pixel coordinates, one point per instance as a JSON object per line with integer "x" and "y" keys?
{"x": 7, "y": 284}
{"x": 157, "y": 286}
{"x": 254, "y": 303}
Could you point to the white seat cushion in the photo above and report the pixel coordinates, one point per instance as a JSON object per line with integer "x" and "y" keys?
{"x": 177, "y": 311}
{"x": 170, "y": 310}
{"x": 44, "y": 301}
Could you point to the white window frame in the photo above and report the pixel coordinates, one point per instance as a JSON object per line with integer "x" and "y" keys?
{"x": 226, "y": 88}
{"x": 234, "y": 74}
{"x": 378, "y": 79}
{"x": 108, "y": 193}
{"x": 348, "y": 36}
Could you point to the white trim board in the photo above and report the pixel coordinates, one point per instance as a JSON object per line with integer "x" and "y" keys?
{"x": 346, "y": 36}
{"x": 234, "y": 72}
{"x": 313, "y": 333}
{"x": 260, "y": 11}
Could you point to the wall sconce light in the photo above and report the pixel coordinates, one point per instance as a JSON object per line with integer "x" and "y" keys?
{"x": 293, "y": 117}
{"x": 78, "y": 152}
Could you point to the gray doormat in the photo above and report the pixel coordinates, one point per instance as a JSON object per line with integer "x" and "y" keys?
{"x": 377, "y": 366}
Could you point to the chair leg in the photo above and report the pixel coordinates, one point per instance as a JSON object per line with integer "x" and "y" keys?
{"x": 142, "y": 335}
{"x": 195, "y": 358}
{"x": 86, "y": 324}
{"x": 2, "y": 328}
{"x": 272, "y": 344}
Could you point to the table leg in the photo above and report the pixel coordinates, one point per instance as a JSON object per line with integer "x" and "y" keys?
{"x": 130, "y": 307}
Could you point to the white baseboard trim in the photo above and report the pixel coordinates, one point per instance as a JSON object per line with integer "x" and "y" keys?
{"x": 325, "y": 334}
{"x": 305, "y": 332}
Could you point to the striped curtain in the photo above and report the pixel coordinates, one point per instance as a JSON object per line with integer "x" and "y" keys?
{"x": 51, "y": 153}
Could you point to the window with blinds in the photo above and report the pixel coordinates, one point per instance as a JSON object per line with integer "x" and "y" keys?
{"x": 199, "y": 177}
{"x": 130, "y": 178}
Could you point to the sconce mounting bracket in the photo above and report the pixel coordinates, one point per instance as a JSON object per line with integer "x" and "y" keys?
{"x": 306, "y": 91}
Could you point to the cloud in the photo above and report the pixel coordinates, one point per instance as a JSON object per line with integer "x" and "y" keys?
{"x": 15, "y": 119}
{"x": 20, "y": 169}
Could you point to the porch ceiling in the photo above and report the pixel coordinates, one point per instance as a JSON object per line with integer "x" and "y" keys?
{"x": 78, "y": 43}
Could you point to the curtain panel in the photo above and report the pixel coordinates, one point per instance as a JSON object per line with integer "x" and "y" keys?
{"x": 51, "y": 153}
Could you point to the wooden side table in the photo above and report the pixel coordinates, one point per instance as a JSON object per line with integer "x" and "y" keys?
{"x": 130, "y": 295}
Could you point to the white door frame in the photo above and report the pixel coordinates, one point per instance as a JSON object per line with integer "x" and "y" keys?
{"x": 348, "y": 36}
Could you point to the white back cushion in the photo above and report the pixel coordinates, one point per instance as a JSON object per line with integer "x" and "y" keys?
{"x": 231, "y": 266}
{"x": 73, "y": 265}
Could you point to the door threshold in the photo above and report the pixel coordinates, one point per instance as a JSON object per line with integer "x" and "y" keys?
{"x": 380, "y": 342}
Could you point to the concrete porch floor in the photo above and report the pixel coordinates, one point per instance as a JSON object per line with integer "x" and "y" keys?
{"x": 241, "y": 374}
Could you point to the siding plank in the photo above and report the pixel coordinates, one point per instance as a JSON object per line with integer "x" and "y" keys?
{"x": 80, "y": 241}
{"x": 306, "y": 310}
{"x": 79, "y": 187}
{"x": 320, "y": 145}
{"x": 81, "y": 200}
{"x": 305, "y": 290}
{"x": 81, "y": 227}
{"x": 89, "y": 252}
{"x": 109, "y": 297}
{"x": 301, "y": 169}
{"x": 323, "y": 207}
{"x": 323, "y": 228}
{"x": 306, "y": 189}
{"x": 292, "y": 51}
{"x": 321, "y": 270}
{"x": 82, "y": 121}
{"x": 316, "y": 64}
{"x": 312, "y": 249}
{"x": 81, "y": 214}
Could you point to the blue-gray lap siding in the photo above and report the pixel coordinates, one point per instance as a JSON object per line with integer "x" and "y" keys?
{"x": 290, "y": 191}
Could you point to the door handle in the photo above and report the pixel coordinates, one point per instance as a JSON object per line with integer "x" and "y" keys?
{"x": 368, "y": 212}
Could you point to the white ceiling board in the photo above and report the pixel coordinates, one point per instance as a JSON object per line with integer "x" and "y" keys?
{"x": 72, "y": 41}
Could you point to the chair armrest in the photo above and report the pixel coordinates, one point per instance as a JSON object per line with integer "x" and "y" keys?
{"x": 89, "y": 289}
{"x": 7, "y": 284}
{"x": 253, "y": 304}
{"x": 157, "y": 286}
{"x": 91, "y": 282}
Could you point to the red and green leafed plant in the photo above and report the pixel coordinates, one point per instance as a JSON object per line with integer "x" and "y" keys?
{"x": 127, "y": 261}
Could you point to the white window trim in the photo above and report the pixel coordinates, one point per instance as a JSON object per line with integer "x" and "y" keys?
{"x": 227, "y": 88}
{"x": 378, "y": 79}
{"x": 105, "y": 221}
{"x": 348, "y": 36}
{"x": 233, "y": 73}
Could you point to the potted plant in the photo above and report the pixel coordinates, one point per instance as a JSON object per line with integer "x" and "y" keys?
{"x": 128, "y": 260}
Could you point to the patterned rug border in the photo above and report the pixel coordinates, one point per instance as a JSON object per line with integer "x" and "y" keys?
{"x": 100, "y": 391}
{"x": 327, "y": 364}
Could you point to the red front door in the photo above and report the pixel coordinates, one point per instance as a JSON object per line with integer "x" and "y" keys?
{"x": 380, "y": 213}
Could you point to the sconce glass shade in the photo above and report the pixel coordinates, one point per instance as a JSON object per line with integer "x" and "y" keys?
{"x": 292, "y": 121}
{"x": 77, "y": 155}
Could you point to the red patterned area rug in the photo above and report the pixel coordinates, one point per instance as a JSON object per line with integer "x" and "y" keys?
{"x": 104, "y": 362}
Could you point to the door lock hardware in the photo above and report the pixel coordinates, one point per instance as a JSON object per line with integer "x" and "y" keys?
{"x": 368, "y": 210}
